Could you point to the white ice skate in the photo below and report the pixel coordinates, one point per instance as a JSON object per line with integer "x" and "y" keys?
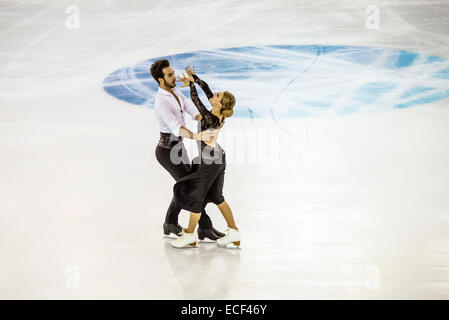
{"x": 232, "y": 236}
{"x": 185, "y": 240}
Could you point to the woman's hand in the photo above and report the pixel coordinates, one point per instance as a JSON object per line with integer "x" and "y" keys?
{"x": 191, "y": 73}
{"x": 184, "y": 80}
{"x": 207, "y": 135}
{"x": 203, "y": 136}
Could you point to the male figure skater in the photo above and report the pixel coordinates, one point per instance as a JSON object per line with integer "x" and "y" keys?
{"x": 169, "y": 107}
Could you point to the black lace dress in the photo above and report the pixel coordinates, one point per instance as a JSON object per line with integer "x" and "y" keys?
{"x": 204, "y": 183}
{"x": 208, "y": 121}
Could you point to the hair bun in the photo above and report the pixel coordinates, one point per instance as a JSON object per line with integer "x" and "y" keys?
{"x": 227, "y": 113}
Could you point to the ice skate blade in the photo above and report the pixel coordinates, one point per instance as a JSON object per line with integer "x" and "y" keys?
{"x": 170, "y": 236}
{"x": 207, "y": 241}
{"x": 236, "y": 244}
{"x": 187, "y": 246}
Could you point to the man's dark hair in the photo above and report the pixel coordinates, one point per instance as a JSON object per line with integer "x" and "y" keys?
{"x": 156, "y": 69}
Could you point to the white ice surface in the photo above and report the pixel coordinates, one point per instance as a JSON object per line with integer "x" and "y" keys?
{"x": 359, "y": 210}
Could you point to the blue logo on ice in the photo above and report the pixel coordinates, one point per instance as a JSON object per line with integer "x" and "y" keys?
{"x": 300, "y": 81}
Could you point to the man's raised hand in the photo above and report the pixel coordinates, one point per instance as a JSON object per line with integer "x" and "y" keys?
{"x": 184, "y": 80}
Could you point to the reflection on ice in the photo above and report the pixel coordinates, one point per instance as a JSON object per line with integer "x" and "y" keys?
{"x": 206, "y": 272}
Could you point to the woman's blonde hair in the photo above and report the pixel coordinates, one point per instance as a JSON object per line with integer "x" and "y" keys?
{"x": 227, "y": 104}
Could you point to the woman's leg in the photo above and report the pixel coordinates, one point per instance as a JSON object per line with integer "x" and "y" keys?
{"x": 227, "y": 214}
{"x": 215, "y": 195}
{"x": 188, "y": 238}
{"x": 233, "y": 234}
{"x": 193, "y": 221}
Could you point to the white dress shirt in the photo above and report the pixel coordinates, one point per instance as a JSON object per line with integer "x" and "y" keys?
{"x": 168, "y": 112}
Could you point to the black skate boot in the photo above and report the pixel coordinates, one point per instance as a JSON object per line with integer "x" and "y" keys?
{"x": 210, "y": 233}
{"x": 172, "y": 228}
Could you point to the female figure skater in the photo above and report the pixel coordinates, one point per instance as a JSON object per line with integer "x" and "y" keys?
{"x": 205, "y": 182}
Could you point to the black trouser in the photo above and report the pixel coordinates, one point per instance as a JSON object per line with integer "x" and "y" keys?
{"x": 177, "y": 171}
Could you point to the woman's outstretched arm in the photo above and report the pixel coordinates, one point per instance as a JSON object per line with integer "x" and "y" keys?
{"x": 194, "y": 94}
{"x": 203, "y": 86}
{"x": 197, "y": 101}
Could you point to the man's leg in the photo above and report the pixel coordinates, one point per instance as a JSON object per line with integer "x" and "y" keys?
{"x": 177, "y": 171}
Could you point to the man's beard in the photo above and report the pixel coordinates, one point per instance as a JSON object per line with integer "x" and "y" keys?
{"x": 169, "y": 85}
